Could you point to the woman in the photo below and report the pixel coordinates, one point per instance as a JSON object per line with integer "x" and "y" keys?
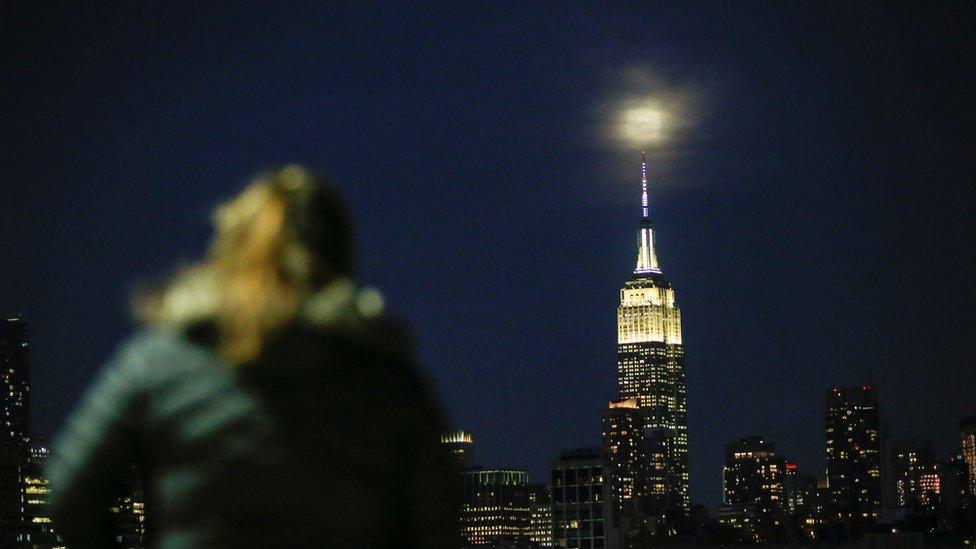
{"x": 269, "y": 401}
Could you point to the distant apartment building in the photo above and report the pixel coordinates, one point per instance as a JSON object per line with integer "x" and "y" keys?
{"x": 37, "y": 530}
{"x": 853, "y": 444}
{"x": 914, "y": 475}
{"x": 967, "y": 442}
{"x": 954, "y": 485}
{"x": 623, "y": 446}
{"x": 15, "y": 399}
{"x": 754, "y": 488}
{"x": 801, "y": 491}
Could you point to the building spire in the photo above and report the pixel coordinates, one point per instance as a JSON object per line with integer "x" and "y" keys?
{"x": 643, "y": 185}
{"x": 646, "y": 258}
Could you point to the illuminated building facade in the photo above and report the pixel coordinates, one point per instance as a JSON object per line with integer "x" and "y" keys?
{"x": 754, "y": 485}
{"x": 967, "y": 436}
{"x": 539, "y": 532}
{"x": 495, "y": 506}
{"x": 929, "y": 490}
{"x": 806, "y": 502}
{"x": 853, "y": 429}
{"x": 37, "y": 530}
{"x": 623, "y": 434}
{"x": 913, "y": 474}
{"x": 459, "y": 446}
{"x": 650, "y": 373}
{"x": 580, "y": 509}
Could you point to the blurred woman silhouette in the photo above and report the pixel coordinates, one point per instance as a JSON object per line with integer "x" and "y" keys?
{"x": 268, "y": 399}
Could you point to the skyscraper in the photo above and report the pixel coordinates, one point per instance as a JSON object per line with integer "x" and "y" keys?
{"x": 913, "y": 474}
{"x": 623, "y": 435}
{"x": 37, "y": 528}
{"x": 129, "y": 510}
{"x": 15, "y": 418}
{"x": 853, "y": 429}
{"x": 754, "y": 486}
{"x": 800, "y": 490}
{"x": 459, "y": 446}
{"x": 15, "y": 375}
{"x": 967, "y": 442}
{"x": 651, "y": 371}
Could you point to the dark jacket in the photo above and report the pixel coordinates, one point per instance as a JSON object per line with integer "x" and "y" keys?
{"x": 329, "y": 439}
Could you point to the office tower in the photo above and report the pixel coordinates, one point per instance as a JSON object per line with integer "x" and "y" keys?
{"x": 495, "y": 506}
{"x": 914, "y": 474}
{"x": 37, "y": 529}
{"x": 129, "y": 511}
{"x": 580, "y": 510}
{"x": 459, "y": 445}
{"x": 15, "y": 429}
{"x": 967, "y": 441}
{"x": 754, "y": 486}
{"x": 800, "y": 489}
{"x": 651, "y": 371}
{"x": 539, "y": 532}
{"x": 15, "y": 373}
{"x": 853, "y": 434}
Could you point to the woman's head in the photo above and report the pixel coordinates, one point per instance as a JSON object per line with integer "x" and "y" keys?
{"x": 286, "y": 235}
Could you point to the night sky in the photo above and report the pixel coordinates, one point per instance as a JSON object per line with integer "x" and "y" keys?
{"x": 813, "y": 209}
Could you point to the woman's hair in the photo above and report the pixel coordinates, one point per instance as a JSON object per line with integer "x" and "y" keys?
{"x": 285, "y": 236}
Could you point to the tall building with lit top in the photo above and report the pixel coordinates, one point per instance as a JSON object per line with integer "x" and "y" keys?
{"x": 498, "y": 506}
{"x": 651, "y": 372}
{"x": 459, "y": 445}
{"x": 854, "y": 440}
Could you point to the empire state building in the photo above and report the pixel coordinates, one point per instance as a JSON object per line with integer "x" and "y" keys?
{"x": 645, "y": 431}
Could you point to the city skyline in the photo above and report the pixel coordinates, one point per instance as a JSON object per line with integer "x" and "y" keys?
{"x": 816, "y": 218}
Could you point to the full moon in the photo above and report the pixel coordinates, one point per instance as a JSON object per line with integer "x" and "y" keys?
{"x": 643, "y": 123}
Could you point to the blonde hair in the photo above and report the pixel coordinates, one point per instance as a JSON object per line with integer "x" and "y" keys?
{"x": 286, "y": 235}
